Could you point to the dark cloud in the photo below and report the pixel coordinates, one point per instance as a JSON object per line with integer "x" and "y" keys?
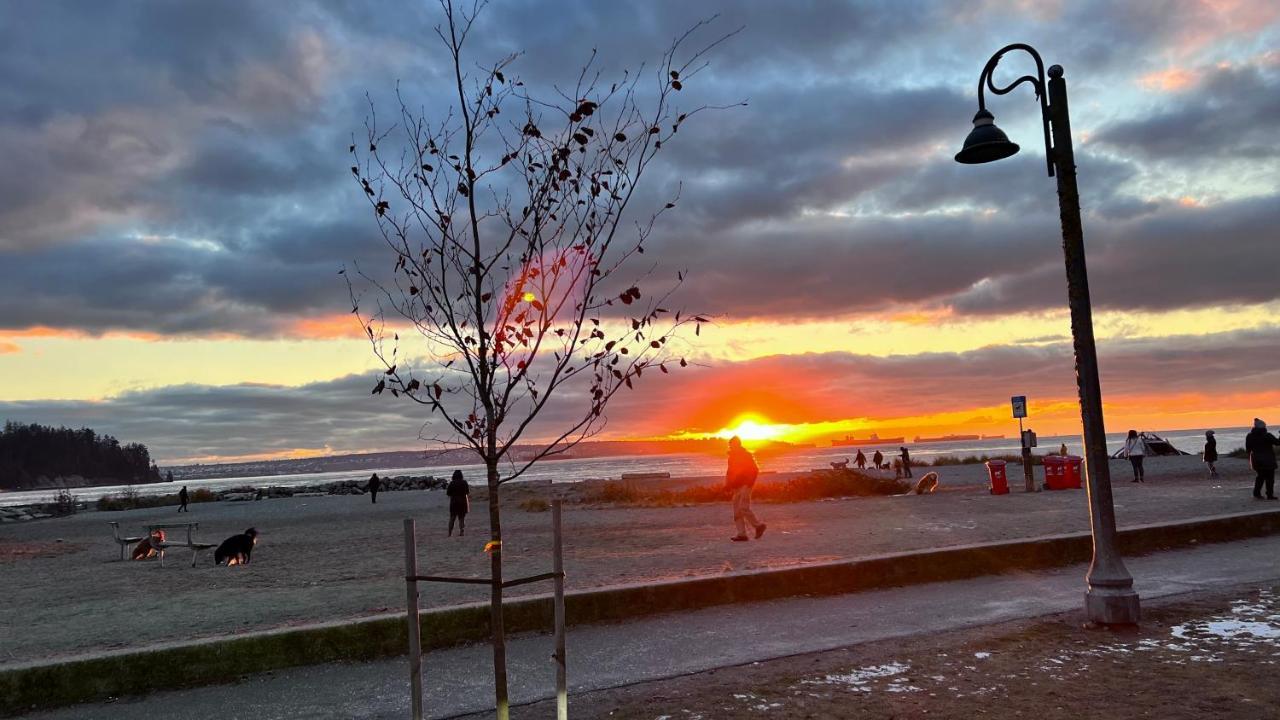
{"x": 223, "y": 129}
{"x": 1231, "y": 112}
{"x": 1179, "y": 257}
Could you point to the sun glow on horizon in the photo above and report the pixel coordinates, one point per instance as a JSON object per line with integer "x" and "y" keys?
{"x": 753, "y": 428}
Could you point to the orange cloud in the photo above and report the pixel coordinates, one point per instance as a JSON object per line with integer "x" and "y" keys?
{"x": 326, "y": 327}
{"x": 8, "y": 348}
{"x": 1173, "y": 79}
{"x": 1210, "y": 21}
{"x": 44, "y": 331}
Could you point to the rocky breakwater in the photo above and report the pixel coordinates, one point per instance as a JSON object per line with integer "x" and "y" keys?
{"x": 345, "y": 487}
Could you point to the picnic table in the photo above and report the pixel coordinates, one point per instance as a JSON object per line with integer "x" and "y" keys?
{"x": 190, "y": 541}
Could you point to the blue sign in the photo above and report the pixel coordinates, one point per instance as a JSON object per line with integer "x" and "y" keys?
{"x": 1019, "y": 406}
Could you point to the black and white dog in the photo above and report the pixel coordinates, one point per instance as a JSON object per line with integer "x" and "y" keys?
{"x": 237, "y": 549}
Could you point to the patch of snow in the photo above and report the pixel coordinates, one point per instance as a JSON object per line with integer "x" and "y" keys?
{"x": 858, "y": 679}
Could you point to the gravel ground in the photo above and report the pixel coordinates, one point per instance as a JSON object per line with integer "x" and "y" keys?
{"x": 336, "y": 557}
{"x": 1208, "y": 656}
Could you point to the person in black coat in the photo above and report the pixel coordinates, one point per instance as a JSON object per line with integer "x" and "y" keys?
{"x": 375, "y": 483}
{"x": 459, "y": 493}
{"x": 1211, "y": 453}
{"x": 182, "y": 500}
{"x": 861, "y": 461}
{"x": 906, "y": 461}
{"x": 1260, "y": 445}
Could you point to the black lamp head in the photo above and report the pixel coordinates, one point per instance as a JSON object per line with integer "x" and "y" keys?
{"x": 986, "y": 142}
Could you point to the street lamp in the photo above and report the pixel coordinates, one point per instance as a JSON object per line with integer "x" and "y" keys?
{"x": 1110, "y": 598}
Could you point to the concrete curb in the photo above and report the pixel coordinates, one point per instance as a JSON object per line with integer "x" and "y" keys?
{"x": 40, "y": 685}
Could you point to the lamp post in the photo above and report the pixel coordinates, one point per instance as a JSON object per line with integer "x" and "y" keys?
{"x": 1110, "y": 599}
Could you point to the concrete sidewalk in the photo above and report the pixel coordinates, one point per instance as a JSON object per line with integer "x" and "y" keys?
{"x": 458, "y": 680}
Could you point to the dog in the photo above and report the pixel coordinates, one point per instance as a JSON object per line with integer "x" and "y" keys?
{"x": 237, "y": 549}
{"x": 149, "y": 547}
{"x": 927, "y": 484}
{"x": 840, "y": 464}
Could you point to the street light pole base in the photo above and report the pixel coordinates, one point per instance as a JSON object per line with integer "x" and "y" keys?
{"x": 1112, "y": 606}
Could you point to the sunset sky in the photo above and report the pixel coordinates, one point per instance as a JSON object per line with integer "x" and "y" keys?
{"x": 176, "y": 203}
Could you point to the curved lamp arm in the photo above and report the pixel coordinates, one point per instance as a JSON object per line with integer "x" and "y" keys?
{"x": 986, "y": 81}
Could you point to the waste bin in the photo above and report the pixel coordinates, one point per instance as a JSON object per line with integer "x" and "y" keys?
{"x": 1055, "y": 468}
{"x": 1072, "y": 474}
{"x": 999, "y": 482}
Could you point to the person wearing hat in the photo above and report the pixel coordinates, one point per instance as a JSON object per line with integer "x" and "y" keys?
{"x": 1210, "y": 453}
{"x": 1260, "y": 445}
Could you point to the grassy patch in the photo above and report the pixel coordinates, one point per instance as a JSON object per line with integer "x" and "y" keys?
{"x": 979, "y": 459}
{"x": 131, "y": 500}
{"x": 810, "y": 486}
{"x": 534, "y": 505}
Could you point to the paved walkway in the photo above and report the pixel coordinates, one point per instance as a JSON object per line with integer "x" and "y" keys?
{"x": 339, "y": 557}
{"x": 458, "y": 680}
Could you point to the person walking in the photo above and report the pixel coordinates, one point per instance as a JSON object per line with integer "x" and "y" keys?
{"x": 739, "y": 479}
{"x": 906, "y": 461}
{"x": 182, "y": 500}
{"x": 1135, "y": 448}
{"x": 374, "y": 484}
{"x": 1260, "y": 445}
{"x": 877, "y": 459}
{"x": 860, "y": 460}
{"x": 459, "y": 493}
{"x": 1210, "y": 453}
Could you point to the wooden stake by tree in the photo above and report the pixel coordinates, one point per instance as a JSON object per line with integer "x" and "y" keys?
{"x": 507, "y": 219}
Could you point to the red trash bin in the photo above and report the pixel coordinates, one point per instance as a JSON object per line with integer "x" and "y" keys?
{"x": 999, "y": 482}
{"x": 1055, "y": 467}
{"x": 1072, "y": 474}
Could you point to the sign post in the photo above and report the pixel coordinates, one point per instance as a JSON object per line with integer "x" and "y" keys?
{"x": 1027, "y": 439}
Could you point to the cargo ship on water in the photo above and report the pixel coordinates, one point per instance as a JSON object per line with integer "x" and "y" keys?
{"x": 873, "y": 440}
{"x": 946, "y": 438}
{"x": 955, "y": 438}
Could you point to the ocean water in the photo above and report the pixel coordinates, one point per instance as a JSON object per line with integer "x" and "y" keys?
{"x": 681, "y": 465}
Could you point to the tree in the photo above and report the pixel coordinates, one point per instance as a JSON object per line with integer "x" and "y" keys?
{"x": 508, "y": 225}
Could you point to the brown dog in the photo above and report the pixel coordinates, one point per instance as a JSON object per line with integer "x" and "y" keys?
{"x": 927, "y": 484}
{"x": 149, "y": 547}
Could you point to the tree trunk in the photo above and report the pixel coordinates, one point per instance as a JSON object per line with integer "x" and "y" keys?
{"x": 495, "y": 596}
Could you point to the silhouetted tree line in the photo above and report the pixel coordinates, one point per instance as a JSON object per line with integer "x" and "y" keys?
{"x": 29, "y": 452}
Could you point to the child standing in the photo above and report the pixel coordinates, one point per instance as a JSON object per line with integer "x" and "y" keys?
{"x": 1211, "y": 453}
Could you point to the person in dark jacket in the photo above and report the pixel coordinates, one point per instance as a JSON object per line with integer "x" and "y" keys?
{"x": 459, "y": 493}
{"x": 861, "y": 461}
{"x": 182, "y": 500}
{"x": 1260, "y": 445}
{"x": 739, "y": 479}
{"x": 877, "y": 459}
{"x": 1210, "y": 453}
{"x": 906, "y": 461}
{"x": 375, "y": 483}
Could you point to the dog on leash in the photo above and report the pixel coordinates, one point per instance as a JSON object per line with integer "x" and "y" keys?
{"x": 927, "y": 484}
{"x": 840, "y": 464}
{"x": 237, "y": 549}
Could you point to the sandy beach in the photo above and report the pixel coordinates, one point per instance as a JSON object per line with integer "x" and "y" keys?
{"x": 335, "y": 557}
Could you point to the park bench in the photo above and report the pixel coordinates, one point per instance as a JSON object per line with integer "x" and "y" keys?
{"x": 122, "y": 540}
{"x": 190, "y": 541}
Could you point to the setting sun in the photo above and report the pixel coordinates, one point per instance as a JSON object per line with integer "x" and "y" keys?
{"x": 750, "y": 430}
